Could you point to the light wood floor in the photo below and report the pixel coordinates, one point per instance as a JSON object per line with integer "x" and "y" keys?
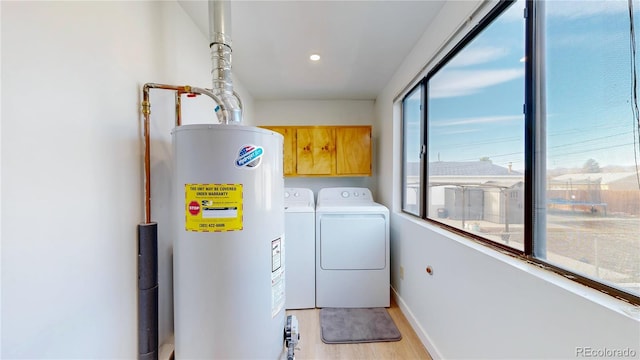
{"x": 312, "y": 347}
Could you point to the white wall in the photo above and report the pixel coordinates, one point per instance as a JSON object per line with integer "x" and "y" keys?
{"x": 321, "y": 112}
{"x": 487, "y": 305}
{"x": 480, "y": 303}
{"x": 72, "y": 74}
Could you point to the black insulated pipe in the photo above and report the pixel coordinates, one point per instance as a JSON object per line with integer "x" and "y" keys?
{"x": 148, "y": 291}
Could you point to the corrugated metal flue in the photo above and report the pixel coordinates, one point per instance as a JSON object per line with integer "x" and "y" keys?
{"x": 220, "y": 45}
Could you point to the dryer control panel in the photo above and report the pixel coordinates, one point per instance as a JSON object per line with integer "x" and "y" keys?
{"x": 345, "y": 194}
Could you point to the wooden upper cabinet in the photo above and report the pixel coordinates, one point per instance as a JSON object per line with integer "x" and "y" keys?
{"x": 289, "y": 133}
{"x": 315, "y": 151}
{"x": 326, "y": 150}
{"x": 353, "y": 150}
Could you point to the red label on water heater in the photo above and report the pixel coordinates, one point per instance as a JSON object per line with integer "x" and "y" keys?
{"x": 194, "y": 208}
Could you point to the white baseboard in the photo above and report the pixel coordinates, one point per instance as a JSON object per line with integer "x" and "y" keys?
{"x": 422, "y": 334}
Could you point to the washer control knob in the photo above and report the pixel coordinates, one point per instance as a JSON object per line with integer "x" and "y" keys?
{"x": 296, "y": 194}
{"x": 345, "y": 194}
{"x": 286, "y": 194}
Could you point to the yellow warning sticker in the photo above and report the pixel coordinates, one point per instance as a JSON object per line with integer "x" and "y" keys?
{"x": 213, "y": 207}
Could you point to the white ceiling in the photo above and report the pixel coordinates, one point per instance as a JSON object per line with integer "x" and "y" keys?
{"x": 362, "y": 43}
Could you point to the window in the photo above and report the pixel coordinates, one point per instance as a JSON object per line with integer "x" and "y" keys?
{"x": 591, "y": 141}
{"x": 475, "y": 133}
{"x": 565, "y": 192}
{"x": 412, "y": 152}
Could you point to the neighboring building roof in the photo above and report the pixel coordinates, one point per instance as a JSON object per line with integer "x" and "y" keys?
{"x": 463, "y": 168}
{"x": 469, "y": 168}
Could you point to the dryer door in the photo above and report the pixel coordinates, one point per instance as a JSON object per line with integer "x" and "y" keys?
{"x": 353, "y": 241}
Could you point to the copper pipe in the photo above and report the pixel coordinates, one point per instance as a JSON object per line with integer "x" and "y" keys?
{"x": 146, "y": 112}
{"x": 178, "y": 108}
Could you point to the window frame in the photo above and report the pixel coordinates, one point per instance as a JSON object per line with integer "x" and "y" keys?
{"x": 421, "y": 208}
{"x": 534, "y": 172}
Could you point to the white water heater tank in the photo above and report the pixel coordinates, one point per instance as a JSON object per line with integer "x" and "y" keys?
{"x": 228, "y": 259}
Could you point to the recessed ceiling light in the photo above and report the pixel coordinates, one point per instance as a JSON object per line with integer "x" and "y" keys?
{"x": 314, "y": 57}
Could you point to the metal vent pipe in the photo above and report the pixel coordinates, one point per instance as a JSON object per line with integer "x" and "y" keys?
{"x": 220, "y": 45}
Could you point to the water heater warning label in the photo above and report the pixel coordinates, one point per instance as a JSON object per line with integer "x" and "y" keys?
{"x": 213, "y": 207}
{"x": 277, "y": 276}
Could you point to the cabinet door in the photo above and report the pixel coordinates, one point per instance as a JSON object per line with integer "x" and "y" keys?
{"x": 315, "y": 151}
{"x": 353, "y": 150}
{"x": 289, "y": 133}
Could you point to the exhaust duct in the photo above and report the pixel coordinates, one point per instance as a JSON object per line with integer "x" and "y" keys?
{"x": 230, "y": 111}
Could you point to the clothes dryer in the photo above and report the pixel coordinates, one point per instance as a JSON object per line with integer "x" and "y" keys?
{"x": 352, "y": 249}
{"x": 300, "y": 256}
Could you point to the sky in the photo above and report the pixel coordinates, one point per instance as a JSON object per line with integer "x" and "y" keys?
{"x": 476, "y": 100}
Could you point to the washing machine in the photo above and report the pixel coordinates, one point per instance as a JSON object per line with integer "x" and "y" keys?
{"x": 352, "y": 249}
{"x": 300, "y": 257}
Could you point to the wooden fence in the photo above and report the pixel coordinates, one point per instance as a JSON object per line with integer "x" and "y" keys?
{"x": 616, "y": 202}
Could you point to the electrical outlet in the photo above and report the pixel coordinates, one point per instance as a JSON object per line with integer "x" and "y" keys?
{"x": 401, "y": 272}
